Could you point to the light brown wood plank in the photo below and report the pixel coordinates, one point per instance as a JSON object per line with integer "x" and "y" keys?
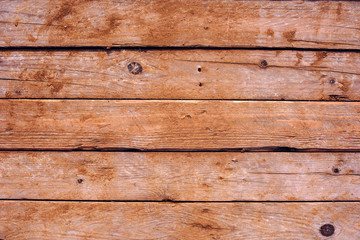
{"x": 310, "y": 24}
{"x": 242, "y": 221}
{"x": 176, "y": 176}
{"x": 178, "y": 125}
{"x": 179, "y": 74}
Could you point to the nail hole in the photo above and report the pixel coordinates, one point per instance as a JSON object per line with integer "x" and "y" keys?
{"x": 263, "y": 64}
{"x": 336, "y": 170}
{"x": 200, "y": 84}
{"x": 199, "y": 69}
{"x": 134, "y": 68}
{"x": 327, "y": 230}
{"x": 80, "y": 180}
{"x": 332, "y": 81}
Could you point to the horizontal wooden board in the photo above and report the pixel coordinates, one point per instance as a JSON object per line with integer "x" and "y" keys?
{"x": 178, "y": 125}
{"x": 176, "y": 176}
{"x": 225, "y": 23}
{"x": 179, "y": 74}
{"x": 242, "y": 221}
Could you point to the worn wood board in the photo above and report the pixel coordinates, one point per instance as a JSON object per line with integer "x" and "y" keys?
{"x": 303, "y": 24}
{"x": 181, "y": 74}
{"x": 178, "y": 125}
{"x": 114, "y": 220}
{"x": 178, "y": 176}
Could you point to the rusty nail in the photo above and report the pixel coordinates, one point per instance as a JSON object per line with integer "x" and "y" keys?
{"x": 134, "y": 68}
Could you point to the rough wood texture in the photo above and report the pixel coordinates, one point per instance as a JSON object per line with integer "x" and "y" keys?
{"x": 181, "y": 125}
{"x": 179, "y": 74}
{"x": 178, "y": 176}
{"x": 319, "y": 24}
{"x": 241, "y": 221}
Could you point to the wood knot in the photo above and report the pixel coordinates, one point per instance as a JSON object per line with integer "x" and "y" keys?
{"x": 263, "y": 64}
{"x": 336, "y": 170}
{"x": 327, "y": 230}
{"x": 134, "y": 68}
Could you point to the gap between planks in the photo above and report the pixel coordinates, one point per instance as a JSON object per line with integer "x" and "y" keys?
{"x": 235, "y": 150}
{"x": 166, "y": 48}
{"x": 179, "y": 99}
{"x": 168, "y": 201}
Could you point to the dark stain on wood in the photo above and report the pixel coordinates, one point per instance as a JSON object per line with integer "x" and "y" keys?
{"x": 65, "y": 9}
{"x": 338, "y": 10}
{"x": 320, "y": 56}
{"x": 289, "y": 36}
{"x": 111, "y": 24}
{"x": 345, "y": 85}
{"x": 299, "y": 57}
{"x": 270, "y": 32}
{"x": 47, "y": 76}
{"x": 31, "y": 38}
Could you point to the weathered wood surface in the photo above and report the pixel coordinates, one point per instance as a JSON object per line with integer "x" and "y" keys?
{"x": 114, "y": 220}
{"x": 175, "y": 176}
{"x": 179, "y": 74}
{"x": 310, "y": 24}
{"x": 178, "y": 125}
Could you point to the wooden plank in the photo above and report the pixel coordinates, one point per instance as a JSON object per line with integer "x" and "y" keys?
{"x": 178, "y": 125}
{"x": 176, "y": 176}
{"x": 305, "y": 24}
{"x": 116, "y": 220}
{"x": 91, "y": 124}
{"x": 178, "y": 74}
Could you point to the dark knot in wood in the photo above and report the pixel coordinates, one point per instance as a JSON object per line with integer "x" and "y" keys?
{"x": 134, "y": 68}
{"x": 327, "y": 230}
{"x": 263, "y": 64}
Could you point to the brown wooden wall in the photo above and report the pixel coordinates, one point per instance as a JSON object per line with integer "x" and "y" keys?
{"x": 180, "y": 119}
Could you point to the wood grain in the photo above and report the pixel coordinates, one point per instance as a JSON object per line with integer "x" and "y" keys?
{"x": 178, "y": 125}
{"x": 305, "y": 24}
{"x": 179, "y": 74}
{"x": 242, "y": 221}
{"x": 176, "y": 176}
